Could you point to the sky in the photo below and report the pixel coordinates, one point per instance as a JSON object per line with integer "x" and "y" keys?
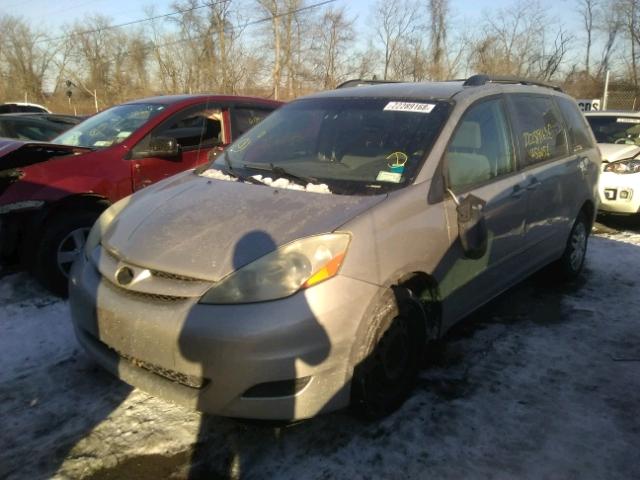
{"x": 52, "y": 14}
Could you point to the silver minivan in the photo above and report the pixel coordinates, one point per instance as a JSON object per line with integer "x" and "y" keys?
{"x": 309, "y": 267}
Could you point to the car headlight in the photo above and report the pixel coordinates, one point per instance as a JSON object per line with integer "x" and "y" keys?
{"x": 281, "y": 273}
{"x": 629, "y": 165}
{"x": 101, "y": 225}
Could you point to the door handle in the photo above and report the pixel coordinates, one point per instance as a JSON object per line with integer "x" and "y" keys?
{"x": 517, "y": 191}
{"x": 583, "y": 164}
{"x": 533, "y": 184}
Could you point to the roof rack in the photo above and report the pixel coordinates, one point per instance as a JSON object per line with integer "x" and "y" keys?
{"x": 481, "y": 79}
{"x": 361, "y": 83}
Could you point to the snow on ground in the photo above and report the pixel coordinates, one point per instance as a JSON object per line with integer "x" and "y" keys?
{"x": 544, "y": 382}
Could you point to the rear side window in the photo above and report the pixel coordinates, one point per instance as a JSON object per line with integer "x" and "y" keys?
{"x": 576, "y": 124}
{"x": 202, "y": 128}
{"x": 539, "y": 129}
{"x": 481, "y": 147}
{"x": 245, "y": 118}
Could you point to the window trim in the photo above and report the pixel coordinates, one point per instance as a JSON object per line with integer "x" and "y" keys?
{"x": 443, "y": 164}
{"x": 521, "y": 152}
{"x": 586, "y": 126}
{"x": 179, "y": 114}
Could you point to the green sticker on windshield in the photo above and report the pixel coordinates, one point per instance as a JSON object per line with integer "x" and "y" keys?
{"x": 389, "y": 177}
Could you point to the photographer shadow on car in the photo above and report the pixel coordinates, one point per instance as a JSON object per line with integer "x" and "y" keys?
{"x": 257, "y": 374}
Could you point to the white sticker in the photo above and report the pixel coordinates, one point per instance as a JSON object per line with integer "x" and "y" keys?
{"x": 410, "y": 107}
{"x": 628, "y": 120}
{"x": 388, "y": 177}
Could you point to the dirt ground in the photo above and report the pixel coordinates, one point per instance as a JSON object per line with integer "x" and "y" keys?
{"x": 544, "y": 382}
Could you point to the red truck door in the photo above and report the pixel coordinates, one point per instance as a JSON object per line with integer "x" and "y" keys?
{"x": 181, "y": 142}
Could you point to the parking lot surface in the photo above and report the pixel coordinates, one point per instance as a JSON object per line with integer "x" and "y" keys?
{"x": 543, "y": 382}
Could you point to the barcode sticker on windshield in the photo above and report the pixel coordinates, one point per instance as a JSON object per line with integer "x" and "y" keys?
{"x": 410, "y": 107}
{"x": 627, "y": 120}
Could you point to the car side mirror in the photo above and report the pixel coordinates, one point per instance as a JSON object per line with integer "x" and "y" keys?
{"x": 472, "y": 226}
{"x": 160, "y": 147}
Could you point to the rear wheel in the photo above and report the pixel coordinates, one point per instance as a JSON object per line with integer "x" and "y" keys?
{"x": 385, "y": 377}
{"x": 569, "y": 266}
{"x": 62, "y": 242}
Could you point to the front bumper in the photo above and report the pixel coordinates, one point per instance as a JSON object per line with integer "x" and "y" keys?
{"x": 619, "y": 193}
{"x": 229, "y": 360}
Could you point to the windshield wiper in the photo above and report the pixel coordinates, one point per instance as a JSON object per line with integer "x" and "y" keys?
{"x": 232, "y": 172}
{"x": 281, "y": 172}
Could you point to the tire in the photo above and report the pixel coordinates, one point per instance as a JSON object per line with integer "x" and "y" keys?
{"x": 62, "y": 241}
{"x": 569, "y": 266}
{"x": 385, "y": 377}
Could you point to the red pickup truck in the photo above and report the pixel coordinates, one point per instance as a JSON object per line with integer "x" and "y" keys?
{"x": 51, "y": 194}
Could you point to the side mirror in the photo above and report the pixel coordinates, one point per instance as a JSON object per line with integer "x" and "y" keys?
{"x": 472, "y": 226}
{"x": 160, "y": 147}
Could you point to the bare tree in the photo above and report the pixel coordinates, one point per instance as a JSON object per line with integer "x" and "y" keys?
{"x": 333, "y": 35}
{"x": 609, "y": 25}
{"x": 587, "y": 9}
{"x": 438, "y": 11}
{"x": 274, "y": 9}
{"x": 26, "y": 58}
{"x": 395, "y": 21}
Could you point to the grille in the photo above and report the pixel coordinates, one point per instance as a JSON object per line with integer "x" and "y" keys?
{"x": 151, "y": 296}
{"x": 146, "y": 296}
{"x": 173, "y": 276}
{"x": 187, "y": 380}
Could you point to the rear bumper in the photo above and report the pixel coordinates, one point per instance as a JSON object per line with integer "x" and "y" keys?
{"x": 284, "y": 359}
{"x": 619, "y": 193}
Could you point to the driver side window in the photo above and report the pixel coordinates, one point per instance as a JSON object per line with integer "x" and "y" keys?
{"x": 193, "y": 129}
{"x": 481, "y": 147}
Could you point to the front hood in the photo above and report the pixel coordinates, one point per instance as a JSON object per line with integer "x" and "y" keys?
{"x": 204, "y": 228}
{"x": 612, "y": 152}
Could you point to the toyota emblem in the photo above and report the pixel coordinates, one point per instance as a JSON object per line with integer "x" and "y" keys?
{"x": 124, "y": 276}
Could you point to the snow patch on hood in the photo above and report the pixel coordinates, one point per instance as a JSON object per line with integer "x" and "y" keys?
{"x": 217, "y": 175}
{"x": 282, "y": 183}
{"x": 286, "y": 184}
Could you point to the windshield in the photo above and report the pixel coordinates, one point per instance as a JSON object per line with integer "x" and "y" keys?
{"x": 110, "y": 127}
{"x": 616, "y": 129}
{"x": 355, "y": 146}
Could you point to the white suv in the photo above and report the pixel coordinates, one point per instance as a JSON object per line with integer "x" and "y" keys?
{"x": 618, "y": 136}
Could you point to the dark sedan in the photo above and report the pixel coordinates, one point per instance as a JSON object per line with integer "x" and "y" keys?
{"x": 35, "y": 126}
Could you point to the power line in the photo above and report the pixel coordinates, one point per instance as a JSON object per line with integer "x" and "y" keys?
{"x": 245, "y": 25}
{"x": 132, "y": 22}
{"x": 252, "y": 23}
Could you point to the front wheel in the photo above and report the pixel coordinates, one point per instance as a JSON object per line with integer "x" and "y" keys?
{"x": 62, "y": 242}
{"x": 569, "y": 266}
{"x": 395, "y": 347}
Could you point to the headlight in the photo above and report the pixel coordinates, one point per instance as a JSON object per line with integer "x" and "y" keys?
{"x": 630, "y": 165}
{"x": 101, "y": 225}
{"x": 292, "y": 267}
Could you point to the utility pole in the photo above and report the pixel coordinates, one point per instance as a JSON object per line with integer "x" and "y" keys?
{"x": 605, "y": 97}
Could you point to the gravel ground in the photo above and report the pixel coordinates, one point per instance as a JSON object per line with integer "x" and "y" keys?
{"x": 544, "y": 382}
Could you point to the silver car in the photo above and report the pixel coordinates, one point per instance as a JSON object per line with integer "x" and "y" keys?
{"x": 309, "y": 267}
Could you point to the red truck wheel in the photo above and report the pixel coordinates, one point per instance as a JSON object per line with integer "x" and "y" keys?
{"x": 62, "y": 241}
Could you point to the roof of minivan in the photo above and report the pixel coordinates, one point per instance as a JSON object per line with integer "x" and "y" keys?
{"x": 425, "y": 90}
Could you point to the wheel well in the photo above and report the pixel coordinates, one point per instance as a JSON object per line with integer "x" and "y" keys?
{"x": 36, "y": 224}
{"x": 425, "y": 288}
{"x": 588, "y": 208}
{"x": 94, "y": 203}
